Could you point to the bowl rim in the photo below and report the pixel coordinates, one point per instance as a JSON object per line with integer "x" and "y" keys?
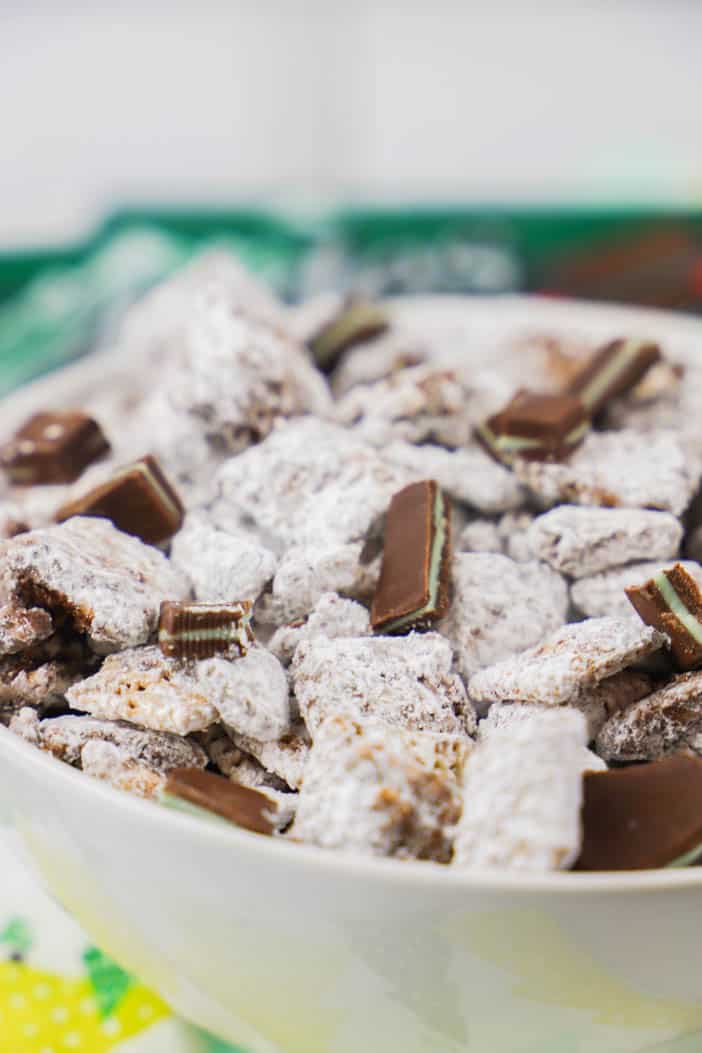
{"x": 408, "y": 873}
{"x": 515, "y": 310}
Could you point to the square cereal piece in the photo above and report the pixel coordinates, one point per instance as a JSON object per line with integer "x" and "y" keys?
{"x": 479, "y": 535}
{"x": 148, "y": 755}
{"x": 309, "y": 484}
{"x": 21, "y": 629}
{"x": 306, "y": 573}
{"x": 284, "y": 758}
{"x": 500, "y": 606}
{"x": 425, "y": 403}
{"x": 332, "y": 617}
{"x": 38, "y": 680}
{"x": 617, "y": 469}
{"x": 467, "y": 475}
{"x": 251, "y": 695}
{"x": 405, "y": 681}
{"x": 612, "y": 695}
{"x": 151, "y": 329}
{"x": 102, "y": 583}
{"x": 662, "y": 723}
{"x": 235, "y": 376}
{"x": 568, "y": 662}
{"x": 604, "y": 593}
{"x": 522, "y": 793}
{"x": 381, "y": 791}
{"x": 222, "y": 564}
{"x": 580, "y": 541}
{"x": 144, "y": 687}
{"x": 502, "y": 714}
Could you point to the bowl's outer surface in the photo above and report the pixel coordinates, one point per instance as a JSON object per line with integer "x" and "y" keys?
{"x": 291, "y": 950}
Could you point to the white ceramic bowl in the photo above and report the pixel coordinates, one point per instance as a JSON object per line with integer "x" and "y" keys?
{"x": 288, "y": 949}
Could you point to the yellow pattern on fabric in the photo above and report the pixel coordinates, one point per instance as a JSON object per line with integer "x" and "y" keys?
{"x": 42, "y": 1012}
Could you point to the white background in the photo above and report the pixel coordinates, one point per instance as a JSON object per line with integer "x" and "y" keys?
{"x": 312, "y": 102}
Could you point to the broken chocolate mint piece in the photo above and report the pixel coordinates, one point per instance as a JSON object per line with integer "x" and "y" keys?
{"x": 413, "y": 590}
{"x": 643, "y": 816}
{"x": 238, "y": 804}
{"x": 201, "y": 630}
{"x": 53, "y": 448}
{"x": 138, "y": 499}
{"x": 535, "y": 427}
{"x": 613, "y": 371}
{"x": 356, "y": 322}
{"x": 672, "y": 602}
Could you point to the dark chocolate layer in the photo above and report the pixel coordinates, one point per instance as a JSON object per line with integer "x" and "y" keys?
{"x": 644, "y": 816}
{"x": 239, "y": 804}
{"x": 138, "y": 499}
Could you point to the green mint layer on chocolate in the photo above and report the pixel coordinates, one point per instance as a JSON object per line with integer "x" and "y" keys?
{"x": 512, "y": 444}
{"x": 355, "y": 319}
{"x": 437, "y": 552}
{"x": 687, "y": 858}
{"x": 143, "y": 469}
{"x": 602, "y": 380}
{"x": 678, "y": 608}
{"x": 178, "y": 804}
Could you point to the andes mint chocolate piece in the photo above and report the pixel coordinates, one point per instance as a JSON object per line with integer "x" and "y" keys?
{"x": 535, "y": 427}
{"x": 643, "y": 816}
{"x": 53, "y": 448}
{"x": 413, "y": 590}
{"x": 200, "y": 630}
{"x": 213, "y": 793}
{"x": 672, "y": 602}
{"x": 612, "y": 371}
{"x": 138, "y": 499}
{"x": 357, "y": 321}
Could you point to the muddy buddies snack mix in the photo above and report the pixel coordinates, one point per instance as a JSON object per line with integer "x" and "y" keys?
{"x": 372, "y": 578}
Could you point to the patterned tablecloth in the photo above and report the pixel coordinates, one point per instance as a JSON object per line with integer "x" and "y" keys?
{"x": 59, "y": 993}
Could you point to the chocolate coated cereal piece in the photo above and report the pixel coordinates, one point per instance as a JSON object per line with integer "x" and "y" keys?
{"x": 405, "y": 681}
{"x": 672, "y": 602}
{"x": 53, "y": 448}
{"x": 143, "y": 687}
{"x": 284, "y": 759}
{"x": 499, "y": 606}
{"x": 522, "y": 792}
{"x": 535, "y": 427}
{"x": 138, "y": 499}
{"x": 237, "y": 804}
{"x": 612, "y": 371}
{"x": 98, "y": 581}
{"x": 644, "y": 816}
{"x": 233, "y": 377}
{"x": 567, "y": 663}
{"x": 427, "y": 403}
{"x": 623, "y": 469}
{"x": 20, "y": 628}
{"x": 381, "y": 791}
{"x": 610, "y": 696}
{"x": 222, "y": 561}
{"x": 413, "y": 590}
{"x": 658, "y": 724}
{"x": 201, "y": 630}
{"x": 332, "y": 616}
{"x": 357, "y": 321}
{"x": 65, "y": 737}
{"x": 467, "y": 475}
{"x": 580, "y": 541}
{"x": 251, "y": 695}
